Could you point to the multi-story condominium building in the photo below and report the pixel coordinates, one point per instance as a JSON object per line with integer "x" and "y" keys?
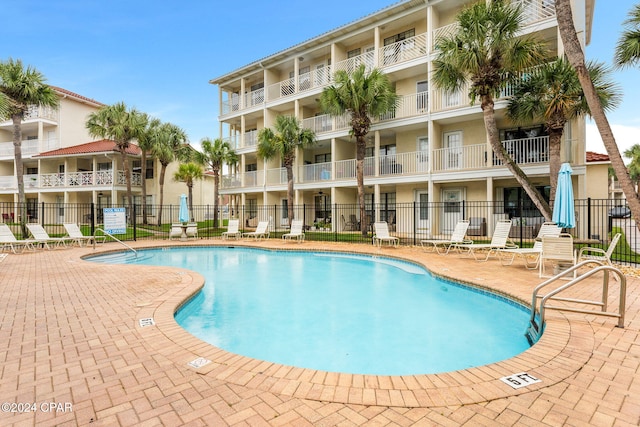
{"x": 433, "y": 148}
{"x": 63, "y": 164}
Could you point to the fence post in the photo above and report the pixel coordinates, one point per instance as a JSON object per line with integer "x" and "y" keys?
{"x": 415, "y": 222}
{"x": 133, "y": 220}
{"x": 92, "y": 219}
{"x": 588, "y": 217}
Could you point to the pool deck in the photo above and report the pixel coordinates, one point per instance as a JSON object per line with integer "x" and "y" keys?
{"x": 78, "y": 347}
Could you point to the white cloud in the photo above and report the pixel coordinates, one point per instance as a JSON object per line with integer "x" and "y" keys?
{"x": 626, "y": 137}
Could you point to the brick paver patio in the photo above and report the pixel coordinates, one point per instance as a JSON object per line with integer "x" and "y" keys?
{"x": 74, "y": 353}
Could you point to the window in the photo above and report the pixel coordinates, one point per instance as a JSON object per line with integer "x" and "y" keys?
{"x": 137, "y": 167}
{"x": 322, "y": 204}
{"x": 400, "y": 36}
{"x": 251, "y": 167}
{"x": 106, "y": 166}
{"x": 517, "y": 202}
{"x": 137, "y": 201}
{"x": 323, "y": 158}
{"x": 353, "y": 53}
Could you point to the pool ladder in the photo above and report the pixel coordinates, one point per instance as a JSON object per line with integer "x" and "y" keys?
{"x": 537, "y": 320}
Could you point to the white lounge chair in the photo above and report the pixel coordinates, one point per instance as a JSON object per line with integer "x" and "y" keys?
{"x": 75, "y": 234}
{"x": 233, "y": 231}
{"x": 546, "y": 229}
{"x": 261, "y": 231}
{"x": 381, "y": 234}
{"x": 499, "y": 240}
{"x": 192, "y": 230}
{"x": 458, "y": 236}
{"x": 599, "y": 254}
{"x": 295, "y": 232}
{"x": 558, "y": 250}
{"x": 8, "y": 240}
{"x": 41, "y": 236}
{"x": 176, "y": 231}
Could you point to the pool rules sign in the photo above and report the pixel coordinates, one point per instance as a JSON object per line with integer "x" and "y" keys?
{"x": 115, "y": 220}
{"x": 519, "y": 380}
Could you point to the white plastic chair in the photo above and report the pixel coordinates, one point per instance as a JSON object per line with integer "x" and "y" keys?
{"x": 381, "y": 234}
{"x": 499, "y": 240}
{"x": 458, "y": 236}
{"x": 546, "y": 229}
{"x": 295, "y": 232}
{"x": 233, "y": 231}
{"x": 558, "y": 250}
{"x": 261, "y": 231}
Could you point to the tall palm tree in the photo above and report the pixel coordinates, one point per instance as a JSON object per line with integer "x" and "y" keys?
{"x": 146, "y": 140}
{"x": 628, "y": 46}
{"x": 575, "y": 54}
{"x": 122, "y": 125}
{"x": 169, "y": 140}
{"x": 486, "y": 46}
{"x": 189, "y": 173}
{"x": 284, "y": 142}
{"x": 215, "y": 154}
{"x": 552, "y": 94}
{"x": 363, "y": 95}
{"x": 21, "y": 88}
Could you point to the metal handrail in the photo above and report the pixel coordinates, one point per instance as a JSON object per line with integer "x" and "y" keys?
{"x": 536, "y": 328}
{"x": 114, "y": 238}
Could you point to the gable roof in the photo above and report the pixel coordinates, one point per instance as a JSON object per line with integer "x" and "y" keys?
{"x": 102, "y": 146}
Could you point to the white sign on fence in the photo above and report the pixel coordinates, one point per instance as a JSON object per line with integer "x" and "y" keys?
{"x": 115, "y": 220}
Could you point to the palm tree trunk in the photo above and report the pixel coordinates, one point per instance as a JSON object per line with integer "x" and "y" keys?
{"x": 555, "y": 138}
{"x": 573, "y": 50}
{"x": 494, "y": 139}
{"x": 360, "y": 150}
{"x": 163, "y": 170}
{"x": 143, "y": 172}
{"x": 289, "y": 168}
{"x": 216, "y": 183}
{"x": 17, "y": 149}
{"x": 127, "y": 177}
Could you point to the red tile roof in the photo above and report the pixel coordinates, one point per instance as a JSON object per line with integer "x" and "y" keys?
{"x": 597, "y": 157}
{"x": 75, "y": 95}
{"x": 102, "y": 146}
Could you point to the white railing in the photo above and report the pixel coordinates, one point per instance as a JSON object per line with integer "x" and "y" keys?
{"x": 351, "y": 64}
{"x": 405, "y": 50}
{"x": 536, "y": 10}
{"x": 316, "y": 172}
{"x": 445, "y": 31}
{"x": 8, "y": 182}
{"x": 409, "y": 106}
{"x": 404, "y": 163}
{"x": 35, "y": 112}
{"x": 277, "y": 176}
{"x": 458, "y": 158}
{"x": 345, "y": 169}
{"x": 250, "y": 138}
{"x": 527, "y": 150}
{"x": 251, "y": 179}
{"x": 253, "y": 98}
{"x": 230, "y": 181}
{"x": 75, "y": 179}
{"x": 445, "y": 100}
{"x": 281, "y": 89}
{"x": 233, "y": 141}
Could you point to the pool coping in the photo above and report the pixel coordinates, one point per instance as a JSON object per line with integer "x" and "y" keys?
{"x": 563, "y": 350}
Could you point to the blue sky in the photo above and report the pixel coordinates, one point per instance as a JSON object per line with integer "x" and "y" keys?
{"x": 159, "y": 56}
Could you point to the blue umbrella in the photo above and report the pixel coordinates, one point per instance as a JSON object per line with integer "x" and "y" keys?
{"x": 563, "y": 207}
{"x": 183, "y": 215}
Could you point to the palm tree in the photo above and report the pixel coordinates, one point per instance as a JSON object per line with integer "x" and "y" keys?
{"x": 633, "y": 153}
{"x": 575, "y": 54}
{"x": 486, "y": 46}
{"x": 283, "y": 143}
{"x": 21, "y": 88}
{"x": 215, "y": 154}
{"x": 169, "y": 139}
{"x": 628, "y": 46}
{"x": 552, "y": 94}
{"x": 364, "y": 96}
{"x": 122, "y": 125}
{"x": 146, "y": 140}
{"x": 188, "y": 173}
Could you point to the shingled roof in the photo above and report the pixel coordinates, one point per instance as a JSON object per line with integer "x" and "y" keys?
{"x": 596, "y": 157}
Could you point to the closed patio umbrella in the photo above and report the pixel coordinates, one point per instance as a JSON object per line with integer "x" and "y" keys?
{"x": 563, "y": 206}
{"x": 183, "y": 214}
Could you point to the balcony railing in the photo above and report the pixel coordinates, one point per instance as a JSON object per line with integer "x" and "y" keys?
{"x": 315, "y": 172}
{"x": 71, "y": 179}
{"x": 351, "y": 64}
{"x": 30, "y": 147}
{"x": 326, "y": 123}
{"x": 402, "y": 51}
{"x": 253, "y": 98}
{"x": 458, "y": 158}
{"x": 526, "y": 150}
{"x": 409, "y": 106}
{"x": 277, "y": 176}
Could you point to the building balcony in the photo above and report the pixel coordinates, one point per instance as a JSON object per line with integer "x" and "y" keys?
{"x": 34, "y": 113}
{"x": 70, "y": 180}
{"x": 30, "y": 147}
{"x": 526, "y": 151}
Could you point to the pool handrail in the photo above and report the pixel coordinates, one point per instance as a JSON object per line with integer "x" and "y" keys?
{"x": 106, "y": 233}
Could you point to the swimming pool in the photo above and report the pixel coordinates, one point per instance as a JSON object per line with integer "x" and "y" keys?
{"x": 341, "y": 312}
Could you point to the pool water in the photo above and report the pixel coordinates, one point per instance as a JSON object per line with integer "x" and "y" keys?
{"x": 341, "y": 312}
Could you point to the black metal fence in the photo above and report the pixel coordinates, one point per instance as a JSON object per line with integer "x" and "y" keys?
{"x": 597, "y": 220}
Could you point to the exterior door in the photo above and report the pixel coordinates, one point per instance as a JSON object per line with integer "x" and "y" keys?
{"x": 422, "y": 154}
{"x": 60, "y": 208}
{"x": 453, "y": 152}
{"x": 451, "y": 209}
{"x": 422, "y": 213}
